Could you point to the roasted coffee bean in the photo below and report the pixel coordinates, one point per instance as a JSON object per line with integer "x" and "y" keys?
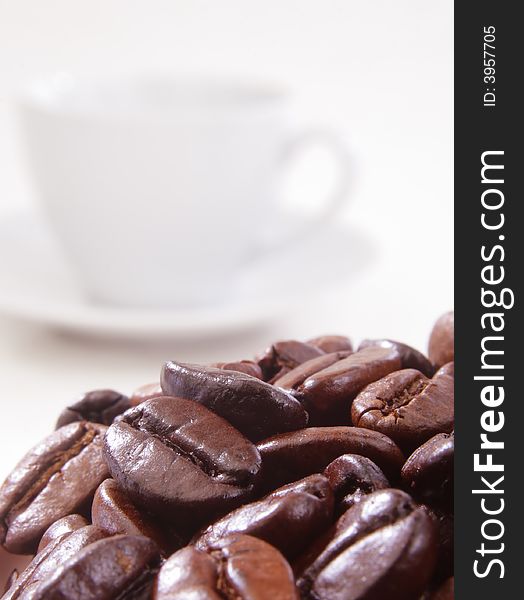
{"x": 428, "y": 472}
{"x": 385, "y": 547}
{"x": 11, "y": 580}
{"x": 446, "y": 591}
{"x": 289, "y": 518}
{"x": 409, "y": 357}
{"x": 50, "y": 558}
{"x": 327, "y": 395}
{"x": 98, "y": 406}
{"x": 331, "y": 343}
{"x": 352, "y": 477}
{"x": 59, "y": 528}
{"x": 145, "y": 392}
{"x": 249, "y": 367}
{"x": 56, "y": 478}
{"x": 255, "y": 408}
{"x": 444, "y": 521}
{"x": 441, "y": 349}
{"x": 114, "y": 512}
{"x": 407, "y": 406}
{"x": 176, "y": 457}
{"x": 284, "y": 356}
{"x": 238, "y": 566}
{"x": 121, "y": 566}
{"x": 295, "y": 378}
{"x": 289, "y": 456}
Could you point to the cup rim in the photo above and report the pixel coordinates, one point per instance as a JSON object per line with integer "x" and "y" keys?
{"x": 62, "y": 93}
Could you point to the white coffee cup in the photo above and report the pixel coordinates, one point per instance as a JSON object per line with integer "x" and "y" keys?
{"x": 159, "y": 190}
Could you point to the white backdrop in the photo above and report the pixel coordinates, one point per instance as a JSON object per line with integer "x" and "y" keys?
{"x": 379, "y": 71}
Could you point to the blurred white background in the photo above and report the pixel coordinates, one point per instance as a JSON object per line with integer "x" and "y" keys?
{"x": 380, "y": 72}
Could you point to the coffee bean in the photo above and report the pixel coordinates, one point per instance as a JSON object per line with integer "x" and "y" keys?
{"x": 50, "y": 558}
{"x": 255, "y": 408}
{"x": 409, "y": 357}
{"x": 121, "y": 566}
{"x": 327, "y": 395}
{"x": 352, "y": 477}
{"x": 114, "y": 512}
{"x": 284, "y": 356}
{"x": 295, "y": 378}
{"x": 59, "y": 528}
{"x": 249, "y": 367}
{"x": 289, "y": 518}
{"x": 407, "y": 406}
{"x": 445, "y": 524}
{"x": 98, "y": 406}
{"x": 428, "y": 472}
{"x": 385, "y": 547}
{"x": 56, "y": 478}
{"x": 289, "y": 456}
{"x": 176, "y": 457}
{"x": 238, "y": 566}
{"x": 331, "y": 343}
{"x": 446, "y": 591}
{"x": 11, "y": 580}
{"x": 145, "y": 392}
{"x": 441, "y": 349}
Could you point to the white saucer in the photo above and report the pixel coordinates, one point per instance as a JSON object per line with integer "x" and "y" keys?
{"x": 37, "y": 285}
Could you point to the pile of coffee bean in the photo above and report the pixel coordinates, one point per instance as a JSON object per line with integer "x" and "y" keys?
{"x": 315, "y": 471}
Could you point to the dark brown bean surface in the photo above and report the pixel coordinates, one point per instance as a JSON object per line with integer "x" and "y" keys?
{"x": 98, "y": 406}
{"x": 441, "y": 348}
{"x": 284, "y": 356}
{"x": 114, "y": 512}
{"x": 407, "y": 406}
{"x": 352, "y": 477}
{"x": 384, "y": 547}
{"x": 56, "y": 478}
{"x": 249, "y": 367}
{"x": 237, "y": 567}
{"x": 50, "y": 558}
{"x": 331, "y": 343}
{"x": 295, "y": 378}
{"x": 177, "y": 457}
{"x": 289, "y": 518}
{"x": 409, "y": 357}
{"x": 327, "y": 395}
{"x": 289, "y": 456}
{"x": 59, "y": 528}
{"x": 446, "y": 591}
{"x": 116, "y": 567}
{"x": 145, "y": 392}
{"x": 255, "y": 408}
{"x": 428, "y": 472}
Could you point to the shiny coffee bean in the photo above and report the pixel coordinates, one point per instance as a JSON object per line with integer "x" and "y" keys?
{"x": 121, "y": 566}
{"x": 284, "y": 356}
{"x": 145, "y": 392}
{"x": 56, "y": 478}
{"x": 178, "y": 458}
{"x": 289, "y": 518}
{"x": 289, "y": 456}
{"x": 327, "y": 395}
{"x": 114, "y": 512}
{"x": 441, "y": 349}
{"x": 249, "y": 367}
{"x": 446, "y": 591}
{"x": 444, "y": 521}
{"x": 239, "y": 567}
{"x": 59, "y": 528}
{"x": 385, "y": 547}
{"x": 409, "y": 357}
{"x": 295, "y": 378}
{"x": 98, "y": 406}
{"x": 428, "y": 472}
{"x": 255, "y": 408}
{"x": 352, "y": 477}
{"x": 50, "y": 558}
{"x": 11, "y": 580}
{"x": 407, "y": 406}
{"x": 331, "y": 343}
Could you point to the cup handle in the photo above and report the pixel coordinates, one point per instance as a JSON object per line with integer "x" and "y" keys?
{"x": 337, "y": 199}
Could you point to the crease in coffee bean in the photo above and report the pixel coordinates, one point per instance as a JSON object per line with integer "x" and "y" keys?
{"x": 52, "y": 468}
